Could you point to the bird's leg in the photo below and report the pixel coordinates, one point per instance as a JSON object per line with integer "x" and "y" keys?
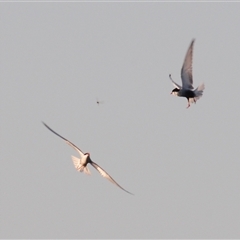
{"x": 188, "y": 104}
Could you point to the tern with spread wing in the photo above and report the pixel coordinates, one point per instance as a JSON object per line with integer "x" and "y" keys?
{"x": 82, "y": 162}
{"x": 186, "y": 90}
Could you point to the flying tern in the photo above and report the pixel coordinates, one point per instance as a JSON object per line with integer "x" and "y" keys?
{"x": 186, "y": 90}
{"x": 81, "y": 163}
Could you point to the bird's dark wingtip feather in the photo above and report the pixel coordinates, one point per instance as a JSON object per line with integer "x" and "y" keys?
{"x": 47, "y": 126}
{"x": 44, "y": 124}
{"x": 125, "y": 190}
{"x": 131, "y": 193}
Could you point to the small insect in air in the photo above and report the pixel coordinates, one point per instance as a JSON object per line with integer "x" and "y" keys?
{"x": 99, "y": 102}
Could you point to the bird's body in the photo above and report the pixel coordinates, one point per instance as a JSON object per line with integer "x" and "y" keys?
{"x": 186, "y": 90}
{"x": 184, "y": 93}
{"x": 81, "y": 163}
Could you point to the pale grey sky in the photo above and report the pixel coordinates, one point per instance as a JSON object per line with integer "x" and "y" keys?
{"x": 182, "y": 164}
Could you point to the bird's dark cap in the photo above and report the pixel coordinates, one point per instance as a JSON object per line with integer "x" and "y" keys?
{"x": 175, "y": 90}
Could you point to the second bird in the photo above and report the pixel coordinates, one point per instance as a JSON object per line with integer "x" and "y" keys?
{"x": 186, "y": 90}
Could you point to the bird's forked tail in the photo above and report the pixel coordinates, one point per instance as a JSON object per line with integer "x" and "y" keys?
{"x": 198, "y": 92}
{"x": 77, "y": 164}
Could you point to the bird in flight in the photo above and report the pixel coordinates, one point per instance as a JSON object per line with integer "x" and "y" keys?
{"x": 186, "y": 90}
{"x": 81, "y": 163}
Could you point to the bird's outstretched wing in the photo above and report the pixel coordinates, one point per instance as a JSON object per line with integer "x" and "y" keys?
{"x": 106, "y": 175}
{"x": 174, "y": 83}
{"x": 186, "y": 72}
{"x": 67, "y": 141}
